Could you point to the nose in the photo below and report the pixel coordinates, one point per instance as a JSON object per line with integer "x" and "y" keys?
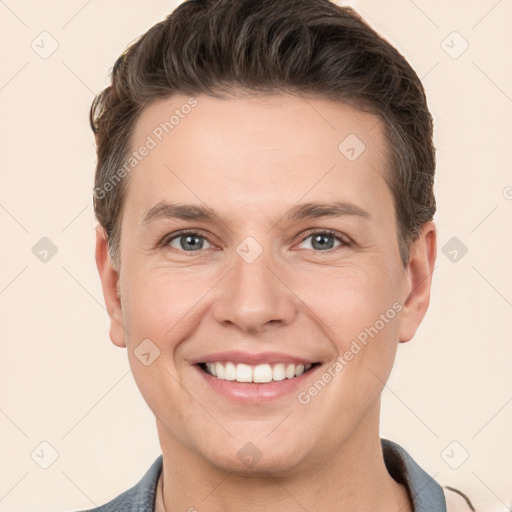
{"x": 254, "y": 296}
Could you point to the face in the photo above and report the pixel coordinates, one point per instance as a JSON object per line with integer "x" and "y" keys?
{"x": 259, "y": 242}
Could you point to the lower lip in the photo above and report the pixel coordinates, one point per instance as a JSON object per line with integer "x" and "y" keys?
{"x": 256, "y": 392}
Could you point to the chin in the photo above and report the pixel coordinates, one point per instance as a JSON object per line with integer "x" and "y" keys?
{"x": 260, "y": 457}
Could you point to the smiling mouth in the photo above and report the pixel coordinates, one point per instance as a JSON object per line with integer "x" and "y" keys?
{"x": 258, "y": 374}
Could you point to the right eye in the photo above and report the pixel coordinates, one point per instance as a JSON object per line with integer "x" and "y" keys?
{"x": 188, "y": 241}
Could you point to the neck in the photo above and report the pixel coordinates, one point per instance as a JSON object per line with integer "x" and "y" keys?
{"x": 355, "y": 478}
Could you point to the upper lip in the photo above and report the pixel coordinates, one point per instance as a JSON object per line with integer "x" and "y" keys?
{"x": 251, "y": 358}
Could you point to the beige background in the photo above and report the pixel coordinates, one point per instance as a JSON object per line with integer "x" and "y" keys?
{"x": 62, "y": 381}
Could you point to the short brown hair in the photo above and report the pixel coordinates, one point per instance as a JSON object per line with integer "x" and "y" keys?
{"x": 303, "y": 47}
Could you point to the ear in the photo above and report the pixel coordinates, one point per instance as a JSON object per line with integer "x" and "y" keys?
{"x": 109, "y": 282}
{"x": 422, "y": 257}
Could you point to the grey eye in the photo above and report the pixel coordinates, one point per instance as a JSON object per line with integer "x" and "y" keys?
{"x": 189, "y": 242}
{"x": 322, "y": 241}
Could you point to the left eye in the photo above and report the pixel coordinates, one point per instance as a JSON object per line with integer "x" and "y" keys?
{"x": 323, "y": 240}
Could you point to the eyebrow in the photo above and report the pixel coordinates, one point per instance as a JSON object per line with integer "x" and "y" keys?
{"x": 164, "y": 210}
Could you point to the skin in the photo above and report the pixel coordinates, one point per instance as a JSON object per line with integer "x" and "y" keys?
{"x": 253, "y": 159}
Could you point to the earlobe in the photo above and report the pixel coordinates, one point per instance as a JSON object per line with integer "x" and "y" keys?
{"x": 420, "y": 268}
{"x": 110, "y": 285}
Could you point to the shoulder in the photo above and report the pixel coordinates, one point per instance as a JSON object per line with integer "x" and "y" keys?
{"x": 139, "y": 498}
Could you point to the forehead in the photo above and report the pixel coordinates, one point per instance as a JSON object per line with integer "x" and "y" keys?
{"x": 257, "y": 151}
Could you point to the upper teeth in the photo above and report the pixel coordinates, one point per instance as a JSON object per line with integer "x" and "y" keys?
{"x": 261, "y": 373}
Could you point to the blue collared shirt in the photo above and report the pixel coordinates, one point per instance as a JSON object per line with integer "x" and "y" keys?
{"x": 425, "y": 493}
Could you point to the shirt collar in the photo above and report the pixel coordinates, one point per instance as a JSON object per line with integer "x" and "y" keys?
{"x": 425, "y": 493}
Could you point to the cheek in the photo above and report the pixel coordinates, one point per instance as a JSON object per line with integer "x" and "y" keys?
{"x": 347, "y": 302}
{"x": 159, "y": 303}
{"x": 360, "y": 315}
{"x": 159, "y": 313}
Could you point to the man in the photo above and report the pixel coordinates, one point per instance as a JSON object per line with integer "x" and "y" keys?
{"x": 264, "y": 191}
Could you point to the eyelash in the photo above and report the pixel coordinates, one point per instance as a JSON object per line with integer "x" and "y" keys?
{"x": 342, "y": 239}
